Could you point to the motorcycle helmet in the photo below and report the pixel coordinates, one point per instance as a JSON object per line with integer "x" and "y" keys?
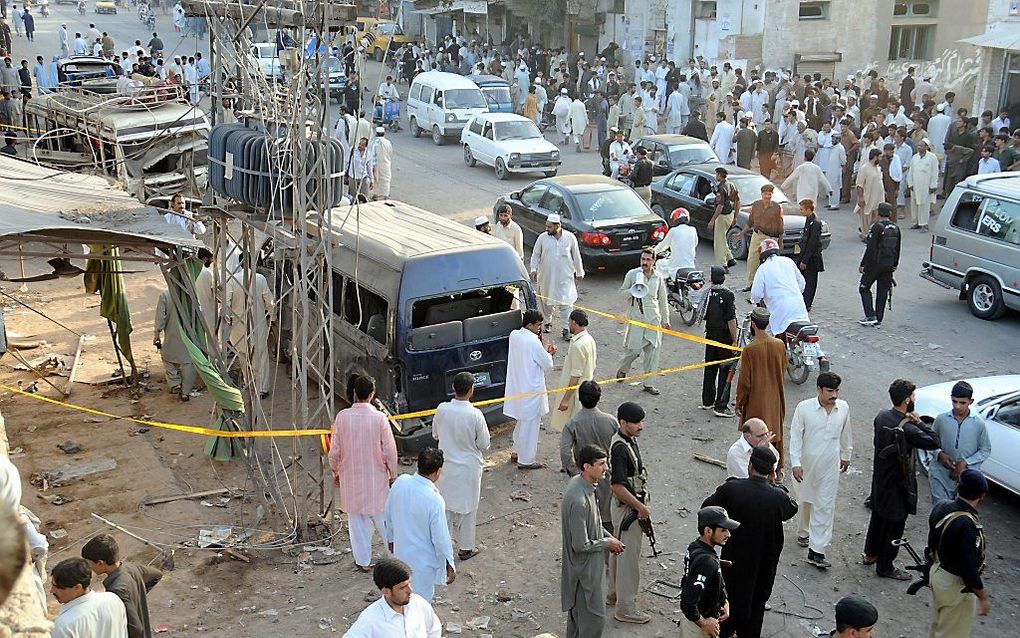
{"x": 767, "y": 248}
{"x": 680, "y": 216}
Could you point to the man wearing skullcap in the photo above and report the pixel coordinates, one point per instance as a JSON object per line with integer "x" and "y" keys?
{"x": 482, "y": 225}
{"x": 760, "y": 391}
{"x": 761, "y": 507}
{"x": 855, "y": 618}
{"x": 956, "y": 547}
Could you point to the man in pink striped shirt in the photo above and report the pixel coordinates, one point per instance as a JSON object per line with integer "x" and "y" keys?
{"x": 363, "y": 456}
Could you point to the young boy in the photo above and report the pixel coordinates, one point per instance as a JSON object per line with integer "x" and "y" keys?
{"x": 131, "y": 583}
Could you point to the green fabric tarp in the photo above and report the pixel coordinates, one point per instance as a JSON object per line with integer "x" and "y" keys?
{"x": 105, "y": 277}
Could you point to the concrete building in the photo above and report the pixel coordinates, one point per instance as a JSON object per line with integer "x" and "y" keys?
{"x": 998, "y": 77}
{"x": 840, "y": 37}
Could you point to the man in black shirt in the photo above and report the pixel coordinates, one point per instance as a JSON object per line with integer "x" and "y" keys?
{"x": 720, "y": 325}
{"x": 956, "y": 545}
{"x": 702, "y": 590}
{"x": 695, "y": 127}
{"x": 352, "y": 94}
{"x": 899, "y": 432}
{"x": 641, "y": 175}
{"x": 809, "y": 259}
{"x": 879, "y": 262}
{"x": 628, "y": 485}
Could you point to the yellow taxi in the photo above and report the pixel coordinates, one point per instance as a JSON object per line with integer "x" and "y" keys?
{"x": 106, "y": 6}
{"x": 376, "y": 35}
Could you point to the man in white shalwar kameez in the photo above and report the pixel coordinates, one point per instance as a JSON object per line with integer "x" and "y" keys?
{"x": 578, "y": 122}
{"x": 463, "y": 436}
{"x": 820, "y": 447}
{"x": 381, "y": 150}
{"x": 416, "y": 526}
{"x": 722, "y": 139}
{"x": 249, "y": 331}
{"x": 555, "y": 266}
{"x": 677, "y": 112}
{"x": 648, "y": 306}
{"x": 808, "y": 180}
{"x": 561, "y": 110}
{"x": 205, "y": 290}
{"x": 824, "y": 146}
{"x": 833, "y": 169}
{"x": 922, "y": 181}
{"x": 780, "y": 285}
{"x": 527, "y": 362}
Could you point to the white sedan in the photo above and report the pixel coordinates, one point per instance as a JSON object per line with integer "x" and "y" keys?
{"x": 997, "y": 399}
{"x": 264, "y": 54}
{"x": 510, "y": 144}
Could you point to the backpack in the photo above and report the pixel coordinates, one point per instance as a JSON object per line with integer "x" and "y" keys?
{"x": 887, "y": 243}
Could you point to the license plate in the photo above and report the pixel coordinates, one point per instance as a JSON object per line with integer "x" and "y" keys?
{"x": 482, "y": 378}
{"x": 811, "y": 350}
{"x": 630, "y": 238}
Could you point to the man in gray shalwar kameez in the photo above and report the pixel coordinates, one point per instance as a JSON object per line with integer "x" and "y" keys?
{"x": 590, "y": 426}
{"x": 179, "y": 370}
{"x": 585, "y": 542}
{"x": 648, "y": 305}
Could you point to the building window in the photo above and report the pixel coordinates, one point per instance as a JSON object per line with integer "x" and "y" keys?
{"x": 707, "y": 9}
{"x": 915, "y": 9}
{"x": 911, "y": 42}
{"x": 619, "y": 6}
{"x": 818, "y": 10}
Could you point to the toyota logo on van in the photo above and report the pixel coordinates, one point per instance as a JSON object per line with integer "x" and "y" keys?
{"x": 475, "y": 355}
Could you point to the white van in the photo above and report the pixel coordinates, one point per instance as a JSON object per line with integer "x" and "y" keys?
{"x": 442, "y": 103}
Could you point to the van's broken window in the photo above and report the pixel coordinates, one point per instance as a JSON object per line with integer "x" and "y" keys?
{"x": 471, "y": 315}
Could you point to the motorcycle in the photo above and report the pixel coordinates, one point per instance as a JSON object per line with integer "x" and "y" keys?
{"x": 802, "y": 351}
{"x": 81, "y": 8}
{"x": 685, "y": 291}
{"x": 387, "y": 113}
{"x": 44, "y": 8}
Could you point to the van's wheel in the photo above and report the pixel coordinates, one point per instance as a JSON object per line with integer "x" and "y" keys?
{"x": 437, "y": 135}
{"x": 984, "y": 296}
{"x": 415, "y": 129}
{"x": 501, "y": 171}
{"x": 550, "y": 173}
{"x": 738, "y": 245}
{"x": 469, "y": 159}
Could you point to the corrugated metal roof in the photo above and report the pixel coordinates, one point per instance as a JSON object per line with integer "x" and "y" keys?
{"x": 84, "y": 208}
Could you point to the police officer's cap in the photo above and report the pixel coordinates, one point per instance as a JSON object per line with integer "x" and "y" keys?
{"x": 630, "y": 412}
{"x": 884, "y": 210}
{"x": 972, "y": 484}
{"x": 715, "y": 516}
{"x": 855, "y": 612}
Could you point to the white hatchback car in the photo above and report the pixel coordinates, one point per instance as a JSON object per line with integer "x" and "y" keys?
{"x": 997, "y": 400}
{"x": 509, "y": 143}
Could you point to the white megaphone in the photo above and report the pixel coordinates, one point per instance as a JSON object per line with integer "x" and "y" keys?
{"x": 639, "y": 288}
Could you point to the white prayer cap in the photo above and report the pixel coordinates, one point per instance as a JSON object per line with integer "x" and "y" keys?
{"x": 927, "y": 142}
{"x": 481, "y": 221}
{"x": 651, "y": 58}
{"x": 795, "y": 103}
{"x": 553, "y": 219}
{"x": 730, "y": 94}
{"x": 380, "y": 130}
{"x": 941, "y": 107}
{"x": 786, "y": 77}
{"x": 563, "y": 90}
{"x": 850, "y": 77}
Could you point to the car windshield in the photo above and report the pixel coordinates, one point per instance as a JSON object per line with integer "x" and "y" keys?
{"x": 750, "y": 189}
{"x": 518, "y": 130}
{"x": 496, "y": 94}
{"x": 389, "y": 28}
{"x": 684, "y": 155}
{"x": 265, "y": 51}
{"x": 463, "y": 99}
{"x": 335, "y": 65}
{"x": 613, "y": 203}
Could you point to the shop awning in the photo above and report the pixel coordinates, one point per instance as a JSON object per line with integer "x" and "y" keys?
{"x": 1004, "y": 37}
{"x": 467, "y": 6}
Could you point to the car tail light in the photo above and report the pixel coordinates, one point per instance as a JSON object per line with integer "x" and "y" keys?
{"x": 595, "y": 239}
{"x": 811, "y": 338}
{"x": 660, "y": 233}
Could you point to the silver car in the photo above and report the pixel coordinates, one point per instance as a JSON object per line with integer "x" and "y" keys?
{"x": 975, "y": 244}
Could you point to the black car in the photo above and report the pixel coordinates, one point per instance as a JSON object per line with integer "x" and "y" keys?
{"x": 670, "y": 152}
{"x": 612, "y": 223}
{"x": 692, "y": 187}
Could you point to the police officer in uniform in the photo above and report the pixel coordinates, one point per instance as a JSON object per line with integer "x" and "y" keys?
{"x": 855, "y": 618}
{"x": 880, "y": 260}
{"x": 702, "y": 590}
{"x": 956, "y": 547}
{"x": 720, "y": 316}
{"x": 627, "y": 482}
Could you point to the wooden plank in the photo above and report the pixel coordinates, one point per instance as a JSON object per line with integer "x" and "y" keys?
{"x": 74, "y": 366}
{"x": 182, "y": 497}
{"x": 711, "y": 461}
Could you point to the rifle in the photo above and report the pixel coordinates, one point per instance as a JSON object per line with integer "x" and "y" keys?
{"x": 922, "y": 567}
{"x": 646, "y": 528}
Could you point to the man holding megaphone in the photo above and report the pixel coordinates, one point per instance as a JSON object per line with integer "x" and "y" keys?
{"x": 646, "y": 292}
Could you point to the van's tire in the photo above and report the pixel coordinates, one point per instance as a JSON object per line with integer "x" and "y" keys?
{"x": 415, "y": 129}
{"x": 501, "y": 172}
{"x": 437, "y": 136}
{"x": 379, "y": 55}
{"x": 469, "y": 159}
{"x": 550, "y": 173}
{"x": 984, "y": 297}
{"x": 737, "y": 247}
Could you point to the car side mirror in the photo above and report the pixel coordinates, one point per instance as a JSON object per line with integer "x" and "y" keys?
{"x": 515, "y": 195}
{"x": 663, "y": 163}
